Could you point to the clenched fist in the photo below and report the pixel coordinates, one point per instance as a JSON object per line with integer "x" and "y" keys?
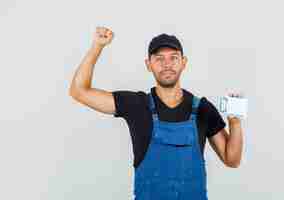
{"x": 103, "y": 36}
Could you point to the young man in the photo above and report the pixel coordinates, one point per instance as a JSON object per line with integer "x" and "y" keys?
{"x": 168, "y": 125}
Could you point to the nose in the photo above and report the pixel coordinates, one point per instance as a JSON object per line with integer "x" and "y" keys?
{"x": 167, "y": 62}
{"x": 167, "y": 65}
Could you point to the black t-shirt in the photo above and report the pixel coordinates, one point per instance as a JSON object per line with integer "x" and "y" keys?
{"x": 134, "y": 108}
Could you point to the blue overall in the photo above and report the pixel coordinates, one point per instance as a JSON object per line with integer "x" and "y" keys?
{"x": 173, "y": 167}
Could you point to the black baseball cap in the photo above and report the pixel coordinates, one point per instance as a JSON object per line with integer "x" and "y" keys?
{"x": 164, "y": 40}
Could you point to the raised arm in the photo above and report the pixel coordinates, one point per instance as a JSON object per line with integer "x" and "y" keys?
{"x": 229, "y": 146}
{"x": 81, "y": 89}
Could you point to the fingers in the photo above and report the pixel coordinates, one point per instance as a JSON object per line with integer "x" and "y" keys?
{"x": 103, "y": 31}
{"x": 109, "y": 33}
{"x": 103, "y": 36}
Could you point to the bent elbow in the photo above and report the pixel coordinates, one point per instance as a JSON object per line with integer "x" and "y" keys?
{"x": 233, "y": 164}
{"x": 74, "y": 92}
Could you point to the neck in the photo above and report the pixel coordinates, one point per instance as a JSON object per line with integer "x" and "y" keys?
{"x": 170, "y": 95}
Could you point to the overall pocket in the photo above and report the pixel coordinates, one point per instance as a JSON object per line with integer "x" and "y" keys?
{"x": 177, "y": 136}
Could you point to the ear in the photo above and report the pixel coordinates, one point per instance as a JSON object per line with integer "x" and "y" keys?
{"x": 184, "y": 61}
{"x": 148, "y": 64}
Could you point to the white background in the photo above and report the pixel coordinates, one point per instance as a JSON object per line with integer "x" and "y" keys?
{"x": 55, "y": 148}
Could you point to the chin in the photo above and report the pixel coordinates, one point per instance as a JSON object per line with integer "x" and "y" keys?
{"x": 167, "y": 84}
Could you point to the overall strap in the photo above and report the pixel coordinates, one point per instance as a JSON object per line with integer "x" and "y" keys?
{"x": 152, "y": 103}
{"x": 195, "y": 104}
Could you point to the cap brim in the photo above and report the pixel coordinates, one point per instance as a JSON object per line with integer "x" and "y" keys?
{"x": 170, "y": 45}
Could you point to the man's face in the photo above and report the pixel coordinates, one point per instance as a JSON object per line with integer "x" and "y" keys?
{"x": 166, "y": 65}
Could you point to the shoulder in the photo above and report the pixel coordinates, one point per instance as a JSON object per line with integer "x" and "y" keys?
{"x": 207, "y": 114}
{"x": 205, "y": 108}
{"x": 127, "y": 101}
{"x": 197, "y": 100}
{"x": 129, "y": 93}
{"x": 131, "y": 97}
{"x": 211, "y": 117}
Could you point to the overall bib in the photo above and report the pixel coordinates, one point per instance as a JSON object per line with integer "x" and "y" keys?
{"x": 173, "y": 167}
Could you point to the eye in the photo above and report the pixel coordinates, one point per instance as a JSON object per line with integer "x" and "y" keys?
{"x": 174, "y": 58}
{"x": 159, "y": 59}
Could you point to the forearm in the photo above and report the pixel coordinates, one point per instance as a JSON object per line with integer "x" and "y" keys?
{"x": 235, "y": 142}
{"x": 84, "y": 74}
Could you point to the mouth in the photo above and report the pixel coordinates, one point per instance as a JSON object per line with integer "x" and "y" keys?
{"x": 168, "y": 73}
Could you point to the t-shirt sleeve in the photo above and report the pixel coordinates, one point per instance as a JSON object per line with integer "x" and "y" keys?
{"x": 125, "y": 102}
{"x": 212, "y": 117}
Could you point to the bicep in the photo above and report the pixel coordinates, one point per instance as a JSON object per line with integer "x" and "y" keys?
{"x": 97, "y": 99}
{"x": 218, "y": 143}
